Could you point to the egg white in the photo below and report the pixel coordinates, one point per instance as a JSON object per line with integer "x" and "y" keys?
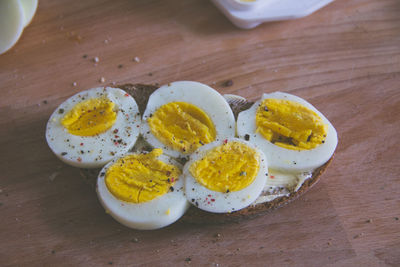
{"x": 157, "y": 213}
{"x": 280, "y": 158}
{"x": 95, "y": 151}
{"x": 223, "y": 202}
{"x": 198, "y": 94}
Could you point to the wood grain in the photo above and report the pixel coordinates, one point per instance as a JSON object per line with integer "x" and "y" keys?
{"x": 345, "y": 59}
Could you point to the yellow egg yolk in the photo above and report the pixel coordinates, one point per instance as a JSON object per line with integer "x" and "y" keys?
{"x": 141, "y": 177}
{"x": 290, "y": 125}
{"x": 229, "y": 167}
{"x": 182, "y": 126}
{"x": 90, "y": 117}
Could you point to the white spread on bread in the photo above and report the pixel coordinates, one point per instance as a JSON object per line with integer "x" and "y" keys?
{"x": 280, "y": 184}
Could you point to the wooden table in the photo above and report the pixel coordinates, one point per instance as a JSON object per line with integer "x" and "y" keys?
{"x": 345, "y": 59}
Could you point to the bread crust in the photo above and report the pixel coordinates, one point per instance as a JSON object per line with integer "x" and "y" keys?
{"x": 141, "y": 93}
{"x": 195, "y": 215}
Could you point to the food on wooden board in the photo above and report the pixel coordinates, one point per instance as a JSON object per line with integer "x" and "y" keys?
{"x": 283, "y": 144}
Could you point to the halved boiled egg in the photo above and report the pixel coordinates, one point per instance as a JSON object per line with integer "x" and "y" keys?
{"x": 143, "y": 191}
{"x": 291, "y": 132}
{"x": 225, "y": 176}
{"x": 182, "y": 116}
{"x": 92, "y": 127}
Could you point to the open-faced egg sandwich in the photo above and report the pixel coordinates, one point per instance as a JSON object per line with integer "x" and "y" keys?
{"x": 164, "y": 150}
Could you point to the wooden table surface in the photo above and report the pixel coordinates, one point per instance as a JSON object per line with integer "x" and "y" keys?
{"x": 345, "y": 59}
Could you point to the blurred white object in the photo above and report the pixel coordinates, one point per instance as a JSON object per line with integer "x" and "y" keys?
{"x": 29, "y": 7}
{"x": 247, "y": 14}
{"x": 14, "y": 16}
{"x": 11, "y": 23}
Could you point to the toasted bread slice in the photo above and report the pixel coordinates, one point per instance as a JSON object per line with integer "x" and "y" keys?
{"x": 141, "y": 93}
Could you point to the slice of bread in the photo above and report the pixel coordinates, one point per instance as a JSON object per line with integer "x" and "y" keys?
{"x": 141, "y": 93}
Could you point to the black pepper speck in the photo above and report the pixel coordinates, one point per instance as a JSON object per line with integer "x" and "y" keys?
{"x": 228, "y": 83}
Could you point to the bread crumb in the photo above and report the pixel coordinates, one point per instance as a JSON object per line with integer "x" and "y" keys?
{"x": 102, "y": 79}
{"x": 136, "y": 59}
{"x": 358, "y": 235}
{"x": 53, "y": 176}
{"x": 74, "y": 84}
{"x": 96, "y": 59}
